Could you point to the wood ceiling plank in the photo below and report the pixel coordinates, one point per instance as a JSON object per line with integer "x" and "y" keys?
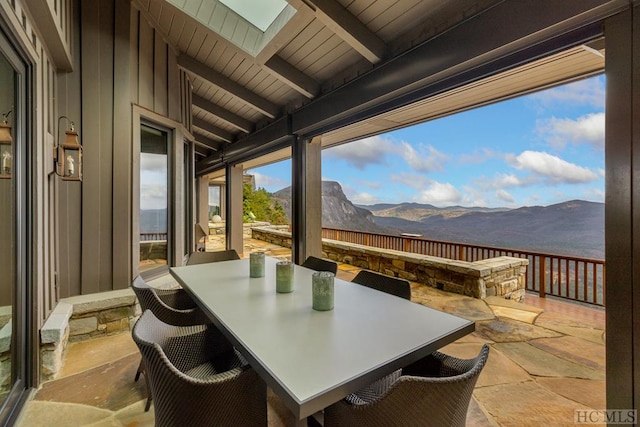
{"x": 186, "y": 35}
{"x": 175, "y": 29}
{"x": 264, "y": 106}
{"x": 165, "y": 19}
{"x": 154, "y": 10}
{"x": 196, "y": 42}
{"x": 192, "y": 6}
{"x": 228, "y": 117}
{"x": 205, "y": 11}
{"x": 214, "y": 130}
{"x": 209, "y": 45}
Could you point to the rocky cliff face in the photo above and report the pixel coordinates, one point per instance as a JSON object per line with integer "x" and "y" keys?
{"x": 337, "y": 210}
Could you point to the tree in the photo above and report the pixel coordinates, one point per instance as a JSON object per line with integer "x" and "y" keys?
{"x": 258, "y": 205}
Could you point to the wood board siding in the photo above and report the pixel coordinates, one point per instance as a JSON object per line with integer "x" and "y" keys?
{"x": 136, "y": 67}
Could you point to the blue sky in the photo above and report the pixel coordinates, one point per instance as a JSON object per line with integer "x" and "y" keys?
{"x": 537, "y": 149}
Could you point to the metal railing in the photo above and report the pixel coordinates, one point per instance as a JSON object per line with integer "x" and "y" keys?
{"x": 573, "y": 278}
{"x": 145, "y": 237}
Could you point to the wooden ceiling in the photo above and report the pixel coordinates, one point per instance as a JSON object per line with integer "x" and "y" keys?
{"x": 245, "y": 79}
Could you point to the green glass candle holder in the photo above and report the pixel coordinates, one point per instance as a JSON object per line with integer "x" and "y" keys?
{"x": 256, "y": 264}
{"x": 322, "y": 289}
{"x": 284, "y": 277}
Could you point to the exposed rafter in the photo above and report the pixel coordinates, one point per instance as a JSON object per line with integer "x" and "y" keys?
{"x": 349, "y": 28}
{"x": 225, "y": 115}
{"x": 208, "y": 142}
{"x": 292, "y": 76}
{"x": 220, "y": 133}
{"x": 240, "y": 92}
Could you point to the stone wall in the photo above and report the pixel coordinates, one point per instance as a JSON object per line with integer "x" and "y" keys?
{"x": 153, "y": 249}
{"x": 502, "y": 276}
{"x": 83, "y": 317}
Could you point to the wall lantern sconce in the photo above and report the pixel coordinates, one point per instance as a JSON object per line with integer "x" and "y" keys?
{"x": 67, "y": 156}
{"x": 6, "y": 149}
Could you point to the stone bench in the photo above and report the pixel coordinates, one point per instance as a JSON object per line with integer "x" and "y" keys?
{"x": 502, "y": 276}
{"x": 83, "y": 317}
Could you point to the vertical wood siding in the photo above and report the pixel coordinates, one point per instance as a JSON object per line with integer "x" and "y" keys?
{"x": 82, "y": 232}
{"x": 44, "y": 242}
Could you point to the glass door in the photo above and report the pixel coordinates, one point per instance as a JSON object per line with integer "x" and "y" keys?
{"x": 154, "y": 200}
{"x": 14, "y": 363}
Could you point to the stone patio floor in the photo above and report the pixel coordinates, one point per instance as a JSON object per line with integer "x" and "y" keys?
{"x": 547, "y": 360}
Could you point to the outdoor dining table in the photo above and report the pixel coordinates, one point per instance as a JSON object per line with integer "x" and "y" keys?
{"x": 311, "y": 358}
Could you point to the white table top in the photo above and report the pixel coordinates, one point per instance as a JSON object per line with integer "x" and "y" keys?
{"x": 313, "y": 358}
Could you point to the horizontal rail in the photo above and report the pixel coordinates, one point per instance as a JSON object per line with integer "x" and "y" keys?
{"x": 145, "y": 237}
{"x": 572, "y": 278}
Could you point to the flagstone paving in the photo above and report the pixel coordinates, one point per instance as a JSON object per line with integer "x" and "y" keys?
{"x": 547, "y": 360}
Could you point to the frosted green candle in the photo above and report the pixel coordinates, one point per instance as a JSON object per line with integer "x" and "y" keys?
{"x": 284, "y": 277}
{"x": 256, "y": 264}
{"x": 322, "y": 289}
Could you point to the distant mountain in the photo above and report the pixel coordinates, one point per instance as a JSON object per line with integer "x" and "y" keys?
{"x": 419, "y": 212}
{"x": 574, "y": 228}
{"x": 337, "y": 210}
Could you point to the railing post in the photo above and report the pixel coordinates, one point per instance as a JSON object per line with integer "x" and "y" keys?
{"x": 542, "y": 276}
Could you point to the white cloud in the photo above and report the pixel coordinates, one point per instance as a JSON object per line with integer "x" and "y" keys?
{"x": 586, "y": 129}
{"x": 553, "y": 169}
{"x": 374, "y": 185}
{"x": 269, "y": 183}
{"x": 410, "y": 180}
{"x": 502, "y": 180}
{"x": 153, "y": 196}
{"x": 364, "y": 199}
{"x": 423, "y": 159}
{"x": 478, "y": 156}
{"x": 595, "y": 194}
{"x": 505, "y": 196}
{"x": 439, "y": 194}
{"x": 375, "y": 150}
{"x": 368, "y": 151}
{"x": 589, "y": 92}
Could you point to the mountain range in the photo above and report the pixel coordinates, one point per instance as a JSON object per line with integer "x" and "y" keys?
{"x": 574, "y": 227}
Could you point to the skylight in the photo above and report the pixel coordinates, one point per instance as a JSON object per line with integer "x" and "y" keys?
{"x": 260, "y": 13}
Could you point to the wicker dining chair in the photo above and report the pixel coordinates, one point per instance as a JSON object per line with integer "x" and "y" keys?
{"x": 435, "y": 391}
{"x": 196, "y": 381}
{"x": 391, "y": 285}
{"x": 207, "y": 257}
{"x": 172, "y": 306}
{"x": 319, "y": 264}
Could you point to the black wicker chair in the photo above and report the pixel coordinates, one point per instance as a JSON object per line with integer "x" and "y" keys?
{"x": 319, "y": 264}
{"x": 172, "y": 306}
{"x": 391, "y": 285}
{"x": 435, "y": 391}
{"x": 207, "y": 257}
{"x": 196, "y": 379}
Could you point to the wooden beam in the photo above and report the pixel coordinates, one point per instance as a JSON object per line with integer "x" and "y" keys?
{"x": 208, "y": 142}
{"x": 201, "y": 150}
{"x": 293, "y": 77}
{"x": 238, "y": 91}
{"x": 350, "y": 29}
{"x": 225, "y": 115}
{"x": 220, "y": 133}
